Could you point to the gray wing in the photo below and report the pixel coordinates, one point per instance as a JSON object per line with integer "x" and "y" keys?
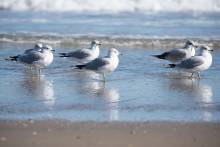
{"x": 97, "y": 63}
{"x": 28, "y": 50}
{"x": 177, "y": 53}
{"x": 79, "y": 54}
{"x": 30, "y": 57}
{"x": 192, "y": 62}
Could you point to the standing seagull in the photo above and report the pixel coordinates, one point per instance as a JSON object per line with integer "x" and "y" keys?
{"x": 37, "y": 47}
{"x": 39, "y": 58}
{"x": 103, "y": 65}
{"x": 196, "y": 64}
{"x": 85, "y": 55}
{"x": 177, "y": 55}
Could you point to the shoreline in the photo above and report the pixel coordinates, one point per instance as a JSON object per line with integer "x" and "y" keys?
{"x": 66, "y": 133}
{"x": 78, "y": 40}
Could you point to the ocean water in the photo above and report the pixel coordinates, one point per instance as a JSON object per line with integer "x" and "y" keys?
{"x": 141, "y": 89}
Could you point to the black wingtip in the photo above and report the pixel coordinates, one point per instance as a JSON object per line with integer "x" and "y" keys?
{"x": 12, "y": 58}
{"x": 157, "y": 56}
{"x": 162, "y": 56}
{"x": 63, "y": 55}
{"x": 79, "y": 66}
{"x": 172, "y": 65}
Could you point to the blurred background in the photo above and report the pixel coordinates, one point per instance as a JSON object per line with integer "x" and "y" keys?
{"x": 75, "y": 22}
{"x": 112, "y": 6}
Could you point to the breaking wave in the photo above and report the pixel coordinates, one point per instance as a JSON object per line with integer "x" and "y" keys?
{"x": 112, "y": 6}
{"x": 116, "y": 41}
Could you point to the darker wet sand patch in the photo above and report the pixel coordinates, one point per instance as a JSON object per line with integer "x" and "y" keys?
{"x": 56, "y": 133}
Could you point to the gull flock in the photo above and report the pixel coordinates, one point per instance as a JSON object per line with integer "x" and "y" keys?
{"x": 185, "y": 59}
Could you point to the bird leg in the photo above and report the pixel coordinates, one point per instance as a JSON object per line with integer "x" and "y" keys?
{"x": 103, "y": 75}
{"x": 39, "y": 71}
{"x": 30, "y": 67}
{"x": 198, "y": 74}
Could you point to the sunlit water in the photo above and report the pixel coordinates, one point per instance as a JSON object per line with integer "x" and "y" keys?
{"x": 27, "y": 25}
{"x": 141, "y": 89}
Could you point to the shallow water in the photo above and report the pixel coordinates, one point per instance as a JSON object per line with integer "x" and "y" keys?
{"x": 141, "y": 89}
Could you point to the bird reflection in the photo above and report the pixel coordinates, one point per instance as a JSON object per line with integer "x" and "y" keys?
{"x": 202, "y": 93}
{"x": 39, "y": 87}
{"x": 91, "y": 85}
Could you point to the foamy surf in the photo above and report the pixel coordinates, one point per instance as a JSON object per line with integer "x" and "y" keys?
{"x": 112, "y": 6}
{"x": 107, "y": 41}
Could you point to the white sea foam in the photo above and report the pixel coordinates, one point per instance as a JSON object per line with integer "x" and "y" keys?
{"x": 112, "y": 6}
{"x": 79, "y": 40}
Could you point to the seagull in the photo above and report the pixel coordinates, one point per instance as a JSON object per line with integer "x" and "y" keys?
{"x": 37, "y": 57}
{"x": 85, "y": 55}
{"x": 103, "y": 65}
{"x": 177, "y": 55}
{"x": 37, "y": 47}
{"x": 196, "y": 64}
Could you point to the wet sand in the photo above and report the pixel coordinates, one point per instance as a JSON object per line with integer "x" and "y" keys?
{"x": 56, "y": 133}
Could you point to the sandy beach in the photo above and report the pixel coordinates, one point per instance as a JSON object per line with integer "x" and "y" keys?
{"x": 56, "y": 133}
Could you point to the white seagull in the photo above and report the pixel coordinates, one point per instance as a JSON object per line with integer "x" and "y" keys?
{"x": 85, "y": 55}
{"x": 197, "y": 63}
{"x": 103, "y": 65}
{"x": 177, "y": 55}
{"x": 37, "y": 57}
{"x": 37, "y": 47}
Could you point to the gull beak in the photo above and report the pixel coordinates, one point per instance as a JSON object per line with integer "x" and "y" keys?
{"x": 99, "y": 44}
{"x": 211, "y": 50}
{"x": 53, "y": 50}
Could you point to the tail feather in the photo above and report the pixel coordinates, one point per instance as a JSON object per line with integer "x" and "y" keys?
{"x": 162, "y": 56}
{"x": 80, "y": 66}
{"x": 172, "y": 65}
{"x": 64, "y": 55}
{"x": 12, "y": 58}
